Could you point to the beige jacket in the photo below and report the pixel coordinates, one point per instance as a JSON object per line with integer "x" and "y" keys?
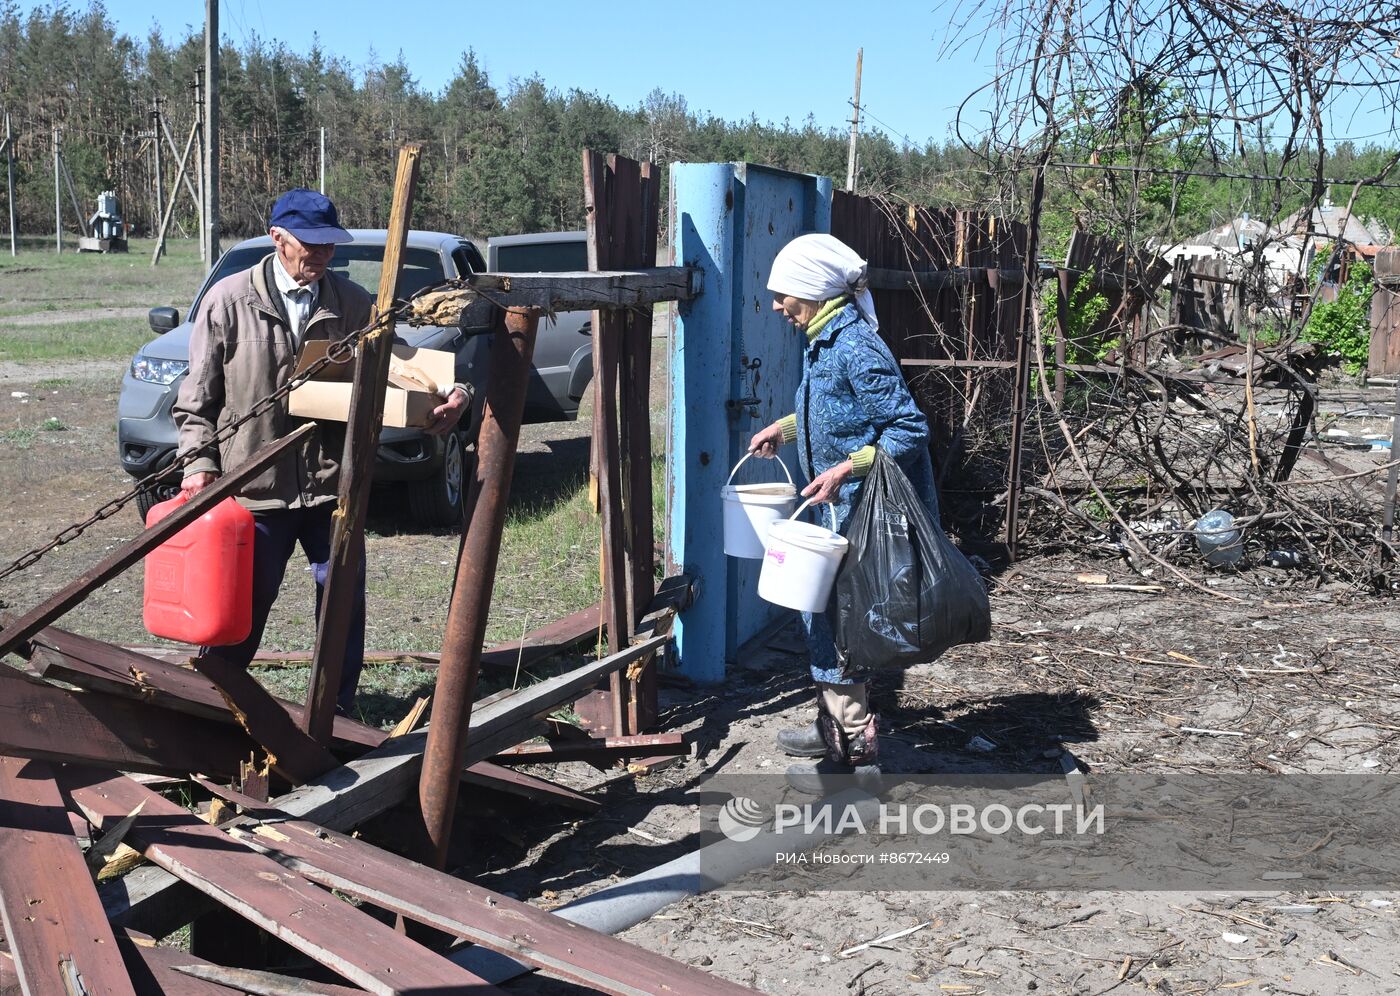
{"x": 241, "y": 351}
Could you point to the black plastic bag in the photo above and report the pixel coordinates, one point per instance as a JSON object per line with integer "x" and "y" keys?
{"x": 905, "y": 594}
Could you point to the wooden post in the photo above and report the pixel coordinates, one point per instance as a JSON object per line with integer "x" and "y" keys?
{"x": 600, "y": 195}
{"x": 57, "y": 200}
{"x": 357, "y": 466}
{"x": 10, "y": 186}
{"x": 1062, "y": 293}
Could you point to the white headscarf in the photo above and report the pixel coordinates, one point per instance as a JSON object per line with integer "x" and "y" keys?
{"x": 819, "y": 268}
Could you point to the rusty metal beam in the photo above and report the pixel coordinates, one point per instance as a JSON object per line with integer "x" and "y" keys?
{"x": 227, "y": 485}
{"x": 445, "y": 751}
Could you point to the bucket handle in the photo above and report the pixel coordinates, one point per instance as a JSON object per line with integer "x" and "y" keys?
{"x": 829, "y": 506}
{"x": 751, "y": 453}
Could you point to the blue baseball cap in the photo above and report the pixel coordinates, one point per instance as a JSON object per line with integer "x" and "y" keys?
{"x": 310, "y": 216}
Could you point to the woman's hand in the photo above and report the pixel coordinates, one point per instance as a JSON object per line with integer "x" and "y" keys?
{"x": 765, "y": 442}
{"x": 828, "y": 484}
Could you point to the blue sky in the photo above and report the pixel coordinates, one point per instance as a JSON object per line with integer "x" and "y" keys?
{"x": 774, "y": 59}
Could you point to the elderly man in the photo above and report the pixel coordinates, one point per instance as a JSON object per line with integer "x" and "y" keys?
{"x": 244, "y": 348}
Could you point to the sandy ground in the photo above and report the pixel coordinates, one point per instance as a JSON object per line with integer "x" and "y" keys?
{"x": 1058, "y": 676}
{"x": 1304, "y": 679}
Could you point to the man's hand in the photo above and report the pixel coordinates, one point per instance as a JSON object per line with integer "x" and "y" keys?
{"x": 196, "y": 483}
{"x": 828, "y": 484}
{"x": 446, "y": 415}
{"x": 765, "y": 442}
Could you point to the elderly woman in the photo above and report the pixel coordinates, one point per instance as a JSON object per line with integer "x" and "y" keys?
{"x": 852, "y": 399}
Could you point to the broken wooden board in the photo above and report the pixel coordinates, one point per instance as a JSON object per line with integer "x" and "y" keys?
{"x": 98, "y": 666}
{"x": 152, "y": 969}
{"x": 546, "y": 641}
{"x": 509, "y": 926}
{"x": 293, "y": 753}
{"x": 555, "y": 292}
{"x": 149, "y": 899}
{"x": 256, "y": 983}
{"x": 326, "y": 929}
{"x": 494, "y": 776}
{"x": 40, "y": 721}
{"x": 55, "y": 928}
{"x": 603, "y": 750}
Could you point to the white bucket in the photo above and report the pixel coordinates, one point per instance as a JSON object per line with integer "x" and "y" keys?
{"x": 749, "y": 509}
{"x": 800, "y": 564}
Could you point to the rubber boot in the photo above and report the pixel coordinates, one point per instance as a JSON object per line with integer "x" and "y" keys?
{"x": 850, "y": 732}
{"x": 806, "y": 742}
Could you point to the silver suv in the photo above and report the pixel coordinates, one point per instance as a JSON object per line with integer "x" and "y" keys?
{"x": 432, "y": 469}
{"x": 564, "y": 346}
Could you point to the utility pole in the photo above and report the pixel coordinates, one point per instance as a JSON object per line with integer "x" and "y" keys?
{"x": 57, "y": 199}
{"x": 211, "y": 127}
{"x": 323, "y": 160}
{"x": 855, "y": 128}
{"x": 155, "y": 145}
{"x": 10, "y": 186}
{"x": 197, "y": 88}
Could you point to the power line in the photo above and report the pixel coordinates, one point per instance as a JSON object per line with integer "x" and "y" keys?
{"x": 1162, "y": 170}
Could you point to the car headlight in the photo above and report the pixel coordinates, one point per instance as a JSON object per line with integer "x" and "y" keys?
{"x": 154, "y": 371}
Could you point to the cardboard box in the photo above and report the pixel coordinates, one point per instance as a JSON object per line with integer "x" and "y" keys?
{"x": 409, "y": 399}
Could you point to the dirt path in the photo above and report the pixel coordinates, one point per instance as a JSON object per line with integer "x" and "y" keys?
{"x": 72, "y": 315}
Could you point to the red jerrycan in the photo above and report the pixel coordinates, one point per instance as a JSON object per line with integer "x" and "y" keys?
{"x": 199, "y": 582}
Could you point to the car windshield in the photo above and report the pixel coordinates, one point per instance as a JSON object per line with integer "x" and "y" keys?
{"x": 543, "y": 257}
{"x": 359, "y": 263}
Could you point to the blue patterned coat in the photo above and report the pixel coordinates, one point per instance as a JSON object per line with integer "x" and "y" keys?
{"x": 853, "y": 395}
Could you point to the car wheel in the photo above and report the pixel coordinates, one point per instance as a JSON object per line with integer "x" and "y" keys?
{"x": 441, "y": 499}
{"x": 149, "y": 498}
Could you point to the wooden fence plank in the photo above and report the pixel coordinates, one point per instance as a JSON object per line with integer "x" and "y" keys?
{"x": 604, "y": 750}
{"x": 294, "y": 754}
{"x": 602, "y": 198}
{"x": 40, "y": 721}
{"x": 98, "y": 666}
{"x": 326, "y": 929}
{"x": 54, "y": 923}
{"x": 364, "y": 788}
{"x": 506, "y": 925}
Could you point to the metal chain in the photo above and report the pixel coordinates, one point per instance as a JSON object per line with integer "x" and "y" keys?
{"x": 340, "y": 351}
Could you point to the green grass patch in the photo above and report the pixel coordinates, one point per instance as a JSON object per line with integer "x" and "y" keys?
{"x": 40, "y": 280}
{"x": 107, "y": 339}
{"x": 52, "y": 383}
{"x": 20, "y": 438}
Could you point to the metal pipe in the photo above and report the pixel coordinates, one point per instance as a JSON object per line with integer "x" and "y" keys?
{"x": 444, "y": 756}
{"x": 627, "y": 903}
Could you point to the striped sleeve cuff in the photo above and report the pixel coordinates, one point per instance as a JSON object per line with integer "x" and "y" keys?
{"x": 789, "y": 427}
{"x": 862, "y": 460}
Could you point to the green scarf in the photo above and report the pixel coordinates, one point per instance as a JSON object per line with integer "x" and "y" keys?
{"x": 823, "y": 317}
